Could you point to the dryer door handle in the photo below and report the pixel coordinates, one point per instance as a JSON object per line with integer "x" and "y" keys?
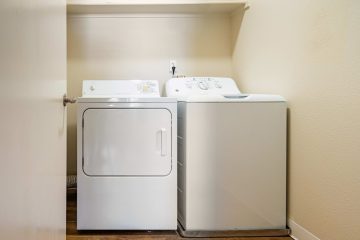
{"x": 163, "y": 142}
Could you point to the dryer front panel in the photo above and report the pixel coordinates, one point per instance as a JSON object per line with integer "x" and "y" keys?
{"x": 126, "y": 142}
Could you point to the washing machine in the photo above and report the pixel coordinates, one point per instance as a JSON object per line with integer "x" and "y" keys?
{"x": 126, "y": 163}
{"x": 231, "y": 159}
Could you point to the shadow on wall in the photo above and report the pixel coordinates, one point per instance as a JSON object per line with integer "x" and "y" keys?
{"x": 71, "y": 149}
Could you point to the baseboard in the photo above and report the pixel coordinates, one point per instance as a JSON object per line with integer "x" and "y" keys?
{"x": 300, "y": 233}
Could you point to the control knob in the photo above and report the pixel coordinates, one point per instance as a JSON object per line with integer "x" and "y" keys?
{"x": 203, "y": 85}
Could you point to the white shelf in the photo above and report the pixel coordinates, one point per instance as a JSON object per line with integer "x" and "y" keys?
{"x": 150, "y": 6}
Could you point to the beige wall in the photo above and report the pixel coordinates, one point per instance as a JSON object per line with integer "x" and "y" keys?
{"x": 309, "y": 52}
{"x": 140, "y": 47}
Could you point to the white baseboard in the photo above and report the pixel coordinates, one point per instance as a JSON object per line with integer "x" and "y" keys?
{"x": 300, "y": 233}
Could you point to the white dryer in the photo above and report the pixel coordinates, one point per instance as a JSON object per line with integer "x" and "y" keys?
{"x": 231, "y": 158}
{"x": 126, "y": 167}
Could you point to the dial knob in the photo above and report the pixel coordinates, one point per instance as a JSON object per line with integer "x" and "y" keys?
{"x": 203, "y": 85}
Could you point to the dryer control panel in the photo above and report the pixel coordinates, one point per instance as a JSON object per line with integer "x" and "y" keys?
{"x": 121, "y": 88}
{"x": 193, "y": 86}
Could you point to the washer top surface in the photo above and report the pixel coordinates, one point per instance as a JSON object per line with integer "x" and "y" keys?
{"x": 212, "y": 89}
{"x": 121, "y": 91}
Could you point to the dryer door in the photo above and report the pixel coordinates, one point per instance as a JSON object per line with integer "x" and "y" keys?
{"x": 126, "y": 142}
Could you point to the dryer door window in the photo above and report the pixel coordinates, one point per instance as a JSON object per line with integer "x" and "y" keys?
{"x": 126, "y": 142}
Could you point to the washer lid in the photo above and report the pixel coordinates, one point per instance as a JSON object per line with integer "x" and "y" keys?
{"x": 120, "y": 88}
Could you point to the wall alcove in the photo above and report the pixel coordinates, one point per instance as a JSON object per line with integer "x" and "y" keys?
{"x": 137, "y": 39}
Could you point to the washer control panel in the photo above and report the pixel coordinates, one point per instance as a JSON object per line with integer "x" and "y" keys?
{"x": 121, "y": 88}
{"x": 191, "y": 86}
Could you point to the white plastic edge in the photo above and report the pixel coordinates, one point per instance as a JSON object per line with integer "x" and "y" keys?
{"x": 123, "y": 99}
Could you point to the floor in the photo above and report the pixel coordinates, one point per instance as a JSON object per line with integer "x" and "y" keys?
{"x": 73, "y": 234}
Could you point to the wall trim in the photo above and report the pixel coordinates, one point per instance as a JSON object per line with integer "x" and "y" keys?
{"x": 298, "y": 232}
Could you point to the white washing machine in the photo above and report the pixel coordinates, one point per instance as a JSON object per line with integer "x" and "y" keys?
{"x": 126, "y": 167}
{"x": 231, "y": 158}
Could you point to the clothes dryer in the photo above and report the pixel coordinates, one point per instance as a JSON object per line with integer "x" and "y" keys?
{"x": 126, "y": 167}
